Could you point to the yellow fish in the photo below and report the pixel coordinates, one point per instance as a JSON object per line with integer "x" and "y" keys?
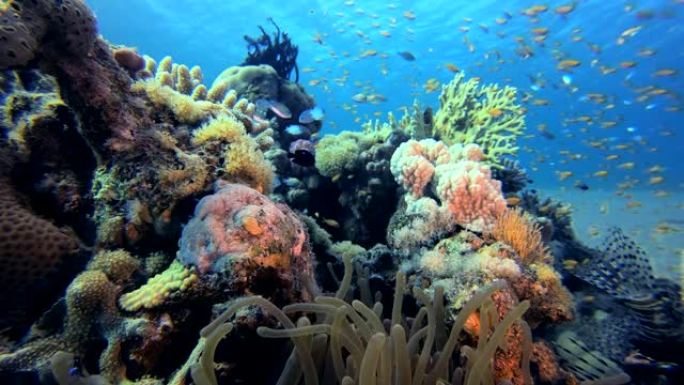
{"x": 535, "y": 10}
{"x": 540, "y": 31}
{"x": 495, "y": 112}
{"x": 568, "y": 63}
{"x": 431, "y": 85}
{"x": 565, "y": 9}
{"x": 563, "y": 175}
{"x": 451, "y": 67}
{"x": 368, "y": 53}
{"x": 665, "y": 72}
{"x": 409, "y": 15}
{"x": 626, "y": 166}
{"x": 601, "y": 173}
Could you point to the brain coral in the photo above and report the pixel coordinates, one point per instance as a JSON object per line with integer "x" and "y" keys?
{"x": 30, "y": 247}
{"x": 241, "y": 233}
{"x": 25, "y": 23}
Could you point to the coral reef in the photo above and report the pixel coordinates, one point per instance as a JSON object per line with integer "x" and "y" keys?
{"x": 139, "y": 203}
{"x": 261, "y": 81}
{"x": 238, "y": 241}
{"x": 484, "y": 115}
{"x": 516, "y": 229}
{"x": 357, "y": 165}
{"x": 379, "y": 351}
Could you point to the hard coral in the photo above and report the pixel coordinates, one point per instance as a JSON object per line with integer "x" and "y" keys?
{"x": 30, "y": 247}
{"x": 25, "y": 23}
{"x": 175, "y": 279}
{"x": 485, "y": 115}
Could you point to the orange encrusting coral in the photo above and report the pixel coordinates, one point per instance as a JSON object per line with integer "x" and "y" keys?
{"x": 516, "y": 230}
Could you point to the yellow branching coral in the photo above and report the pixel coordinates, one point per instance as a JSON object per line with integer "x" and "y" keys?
{"x": 515, "y": 229}
{"x": 224, "y": 128}
{"x": 184, "y": 107}
{"x": 245, "y": 163}
{"x": 174, "y": 279}
{"x": 485, "y": 115}
{"x": 244, "y": 160}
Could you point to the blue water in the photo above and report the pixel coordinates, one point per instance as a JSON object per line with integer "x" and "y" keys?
{"x": 209, "y": 33}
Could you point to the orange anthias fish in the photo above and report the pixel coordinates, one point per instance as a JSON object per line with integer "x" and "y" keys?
{"x": 451, "y": 67}
{"x": 665, "y": 72}
{"x": 409, "y": 15}
{"x": 535, "y": 10}
{"x": 495, "y": 112}
{"x": 565, "y": 9}
{"x": 567, "y": 64}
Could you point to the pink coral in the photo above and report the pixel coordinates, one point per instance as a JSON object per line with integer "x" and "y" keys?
{"x": 462, "y": 183}
{"x": 470, "y": 193}
{"x": 241, "y": 233}
{"x": 413, "y": 163}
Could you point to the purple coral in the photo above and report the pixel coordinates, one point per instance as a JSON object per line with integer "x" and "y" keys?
{"x": 240, "y": 233}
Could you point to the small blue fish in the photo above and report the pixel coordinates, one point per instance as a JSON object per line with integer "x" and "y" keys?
{"x": 311, "y": 115}
{"x": 295, "y": 130}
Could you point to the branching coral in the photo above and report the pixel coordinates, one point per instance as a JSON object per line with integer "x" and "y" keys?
{"x": 178, "y": 89}
{"x": 174, "y": 280}
{"x": 485, "y": 115}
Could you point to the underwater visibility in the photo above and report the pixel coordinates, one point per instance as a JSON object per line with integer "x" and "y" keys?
{"x": 344, "y": 192}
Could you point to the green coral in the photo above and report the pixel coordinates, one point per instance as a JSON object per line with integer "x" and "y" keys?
{"x": 338, "y": 155}
{"x": 175, "y": 279}
{"x": 486, "y": 115}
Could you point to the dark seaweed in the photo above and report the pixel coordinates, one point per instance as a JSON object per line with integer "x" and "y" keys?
{"x": 276, "y": 51}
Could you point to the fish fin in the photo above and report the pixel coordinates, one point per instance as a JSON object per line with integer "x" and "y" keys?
{"x": 621, "y": 269}
{"x": 586, "y": 364}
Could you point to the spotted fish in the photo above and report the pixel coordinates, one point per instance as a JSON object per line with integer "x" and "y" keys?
{"x": 623, "y": 271}
{"x": 586, "y": 364}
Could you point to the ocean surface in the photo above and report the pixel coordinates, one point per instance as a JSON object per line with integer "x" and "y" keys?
{"x": 612, "y": 123}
